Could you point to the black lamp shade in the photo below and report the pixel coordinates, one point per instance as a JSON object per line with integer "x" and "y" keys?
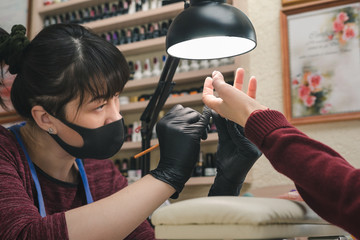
{"x": 210, "y": 30}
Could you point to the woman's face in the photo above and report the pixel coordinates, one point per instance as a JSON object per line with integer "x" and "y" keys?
{"x": 91, "y": 114}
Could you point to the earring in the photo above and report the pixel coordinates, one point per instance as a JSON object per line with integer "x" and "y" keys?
{"x": 50, "y": 130}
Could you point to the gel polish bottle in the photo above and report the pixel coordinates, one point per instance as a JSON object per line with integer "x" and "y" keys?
{"x": 164, "y": 29}
{"x": 128, "y": 36}
{"x": 138, "y": 5}
{"x": 135, "y": 34}
{"x": 156, "y": 67}
{"x": 156, "y": 32}
{"x": 199, "y": 168}
{"x": 154, "y": 4}
{"x": 132, "y": 70}
{"x": 122, "y": 39}
{"x": 138, "y": 70}
{"x": 194, "y": 65}
{"x": 113, "y": 10}
{"x": 106, "y": 11}
{"x": 115, "y": 38}
{"x": 124, "y": 167}
{"x": 145, "y": 5}
{"x": 132, "y": 6}
{"x": 142, "y": 33}
{"x": 150, "y": 31}
{"x": 147, "y": 73}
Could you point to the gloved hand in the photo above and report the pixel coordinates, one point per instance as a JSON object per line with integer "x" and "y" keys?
{"x": 179, "y": 133}
{"x": 234, "y": 157}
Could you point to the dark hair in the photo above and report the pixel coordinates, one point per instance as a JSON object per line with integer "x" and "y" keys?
{"x": 3, "y": 34}
{"x": 63, "y": 62}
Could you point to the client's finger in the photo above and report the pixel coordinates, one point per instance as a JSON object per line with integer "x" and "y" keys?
{"x": 252, "y": 88}
{"x": 239, "y": 78}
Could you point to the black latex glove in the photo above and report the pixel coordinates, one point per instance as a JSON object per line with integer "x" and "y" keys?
{"x": 179, "y": 133}
{"x": 234, "y": 157}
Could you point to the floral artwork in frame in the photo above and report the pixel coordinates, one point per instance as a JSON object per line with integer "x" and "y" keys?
{"x": 321, "y": 61}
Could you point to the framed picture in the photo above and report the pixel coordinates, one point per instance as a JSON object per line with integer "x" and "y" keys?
{"x": 292, "y": 2}
{"x": 321, "y": 61}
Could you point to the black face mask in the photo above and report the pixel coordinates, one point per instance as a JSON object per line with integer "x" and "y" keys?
{"x": 99, "y": 143}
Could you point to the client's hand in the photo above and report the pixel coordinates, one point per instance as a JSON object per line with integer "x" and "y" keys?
{"x": 234, "y": 158}
{"x": 179, "y": 133}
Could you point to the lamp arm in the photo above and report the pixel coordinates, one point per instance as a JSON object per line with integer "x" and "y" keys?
{"x": 150, "y": 115}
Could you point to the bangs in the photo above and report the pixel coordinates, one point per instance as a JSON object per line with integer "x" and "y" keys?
{"x": 100, "y": 74}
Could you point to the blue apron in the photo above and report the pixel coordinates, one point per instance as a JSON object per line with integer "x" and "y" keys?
{"x": 16, "y": 130}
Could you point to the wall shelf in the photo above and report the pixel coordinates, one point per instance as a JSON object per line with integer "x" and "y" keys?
{"x": 127, "y": 146}
{"x": 200, "y": 181}
{"x": 188, "y": 100}
{"x": 179, "y": 78}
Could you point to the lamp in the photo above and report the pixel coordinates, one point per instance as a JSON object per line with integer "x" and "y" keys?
{"x": 206, "y": 29}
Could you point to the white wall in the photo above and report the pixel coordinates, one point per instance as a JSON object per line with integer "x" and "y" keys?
{"x": 265, "y": 63}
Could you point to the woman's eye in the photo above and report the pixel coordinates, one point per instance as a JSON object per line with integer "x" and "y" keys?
{"x": 100, "y": 107}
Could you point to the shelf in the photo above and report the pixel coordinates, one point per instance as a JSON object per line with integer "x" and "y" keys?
{"x": 212, "y": 138}
{"x": 62, "y": 7}
{"x": 200, "y": 181}
{"x": 179, "y": 78}
{"x": 138, "y": 18}
{"x": 141, "y": 47}
{"x": 188, "y": 100}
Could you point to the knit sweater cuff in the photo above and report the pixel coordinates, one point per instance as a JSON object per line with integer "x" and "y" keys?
{"x": 263, "y": 122}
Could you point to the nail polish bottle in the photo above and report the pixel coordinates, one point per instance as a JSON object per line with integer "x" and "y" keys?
{"x": 86, "y": 15}
{"x": 156, "y": 67}
{"x": 132, "y": 6}
{"x": 120, "y": 8}
{"x": 113, "y": 10}
{"x": 92, "y": 15}
{"x": 184, "y": 67}
{"x": 224, "y": 61}
{"x": 210, "y": 169}
{"x": 163, "y": 59}
{"x": 154, "y": 4}
{"x": 164, "y": 29}
{"x": 56, "y": 1}
{"x": 108, "y": 37}
{"x": 150, "y": 31}
{"x": 115, "y": 38}
{"x": 53, "y": 20}
{"x": 138, "y": 70}
{"x": 138, "y": 5}
{"x": 135, "y": 34}
{"x": 124, "y": 167}
{"x": 132, "y": 70}
{"x": 129, "y": 133}
{"x": 46, "y": 21}
{"x": 100, "y": 12}
{"x": 147, "y": 73}
{"x": 59, "y": 19}
{"x": 142, "y": 33}
{"x": 145, "y": 5}
{"x": 213, "y": 63}
{"x": 106, "y": 10}
{"x": 47, "y": 2}
{"x": 125, "y": 9}
{"x": 75, "y": 17}
{"x": 156, "y": 33}
{"x": 204, "y": 64}
{"x": 194, "y": 65}
{"x": 128, "y": 36}
{"x": 117, "y": 163}
{"x": 122, "y": 39}
{"x": 80, "y": 16}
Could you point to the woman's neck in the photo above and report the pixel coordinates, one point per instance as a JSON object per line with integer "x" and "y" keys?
{"x": 48, "y": 155}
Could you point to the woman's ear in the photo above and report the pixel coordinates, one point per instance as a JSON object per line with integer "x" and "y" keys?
{"x": 43, "y": 119}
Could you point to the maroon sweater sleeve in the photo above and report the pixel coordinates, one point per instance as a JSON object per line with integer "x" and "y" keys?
{"x": 325, "y": 180}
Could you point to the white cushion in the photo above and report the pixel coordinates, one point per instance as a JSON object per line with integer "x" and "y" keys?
{"x": 239, "y": 218}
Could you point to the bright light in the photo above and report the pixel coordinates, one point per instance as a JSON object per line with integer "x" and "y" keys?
{"x": 211, "y": 47}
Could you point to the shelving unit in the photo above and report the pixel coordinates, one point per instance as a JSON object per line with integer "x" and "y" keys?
{"x": 39, "y": 12}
